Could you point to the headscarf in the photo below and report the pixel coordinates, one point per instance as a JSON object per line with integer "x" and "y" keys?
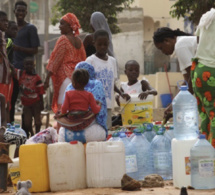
{"x": 96, "y": 88}
{"x": 98, "y": 21}
{"x": 73, "y": 22}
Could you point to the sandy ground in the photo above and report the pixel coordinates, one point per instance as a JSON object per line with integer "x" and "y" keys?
{"x": 166, "y": 190}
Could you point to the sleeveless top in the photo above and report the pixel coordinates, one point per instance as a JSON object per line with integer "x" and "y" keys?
{"x": 132, "y": 89}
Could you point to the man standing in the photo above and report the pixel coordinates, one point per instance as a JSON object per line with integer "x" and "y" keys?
{"x": 25, "y": 45}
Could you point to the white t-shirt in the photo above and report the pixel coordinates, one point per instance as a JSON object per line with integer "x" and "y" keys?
{"x": 136, "y": 88}
{"x": 106, "y": 72}
{"x": 206, "y": 50}
{"x": 185, "y": 49}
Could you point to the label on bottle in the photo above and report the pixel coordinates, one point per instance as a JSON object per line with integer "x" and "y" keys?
{"x": 189, "y": 118}
{"x": 187, "y": 165}
{"x": 131, "y": 163}
{"x": 206, "y": 167}
{"x": 161, "y": 160}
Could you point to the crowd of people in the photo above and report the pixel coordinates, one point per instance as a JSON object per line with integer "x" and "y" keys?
{"x": 84, "y": 74}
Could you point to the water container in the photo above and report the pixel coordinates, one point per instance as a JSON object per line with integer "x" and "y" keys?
{"x": 14, "y": 172}
{"x": 169, "y": 133}
{"x": 11, "y": 129}
{"x": 185, "y": 115}
{"x": 115, "y": 137}
{"x": 202, "y": 156}
{"x": 19, "y": 130}
{"x": 34, "y": 166}
{"x": 105, "y": 164}
{"x": 137, "y": 111}
{"x": 142, "y": 146}
{"x": 161, "y": 155}
{"x": 67, "y": 169}
{"x": 130, "y": 156}
{"x": 149, "y": 133}
{"x": 181, "y": 162}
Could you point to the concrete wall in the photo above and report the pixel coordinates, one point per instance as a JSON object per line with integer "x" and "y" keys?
{"x": 159, "y": 82}
{"x": 128, "y": 44}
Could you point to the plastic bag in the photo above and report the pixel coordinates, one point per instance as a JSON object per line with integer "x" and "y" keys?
{"x": 46, "y": 136}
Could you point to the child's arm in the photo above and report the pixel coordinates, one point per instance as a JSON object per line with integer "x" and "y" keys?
{"x": 121, "y": 93}
{"x": 147, "y": 90}
{"x": 3, "y": 111}
{"x": 93, "y": 104}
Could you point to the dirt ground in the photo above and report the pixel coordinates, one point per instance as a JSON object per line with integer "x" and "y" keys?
{"x": 168, "y": 189}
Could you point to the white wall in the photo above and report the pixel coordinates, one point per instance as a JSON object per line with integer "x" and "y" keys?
{"x": 129, "y": 46}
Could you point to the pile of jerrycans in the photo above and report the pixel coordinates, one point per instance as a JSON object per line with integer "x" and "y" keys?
{"x": 192, "y": 155}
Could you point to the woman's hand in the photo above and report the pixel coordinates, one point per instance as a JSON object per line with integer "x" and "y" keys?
{"x": 46, "y": 84}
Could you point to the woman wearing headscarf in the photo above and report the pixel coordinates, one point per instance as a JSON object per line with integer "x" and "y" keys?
{"x": 68, "y": 51}
{"x": 98, "y": 21}
{"x": 97, "y": 131}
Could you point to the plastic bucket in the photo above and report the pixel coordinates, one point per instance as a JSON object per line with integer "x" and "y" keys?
{"x": 137, "y": 111}
{"x": 166, "y": 99}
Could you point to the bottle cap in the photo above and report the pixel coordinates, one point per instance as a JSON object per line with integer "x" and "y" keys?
{"x": 115, "y": 134}
{"x": 202, "y": 136}
{"x": 149, "y": 127}
{"x": 73, "y": 142}
{"x": 160, "y": 132}
{"x": 17, "y": 125}
{"x": 183, "y": 88}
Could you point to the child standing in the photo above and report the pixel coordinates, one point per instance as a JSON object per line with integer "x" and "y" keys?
{"x": 135, "y": 86}
{"x": 105, "y": 68}
{"x": 5, "y": 75}
{"x": 79, "y": 99}
{"x": 32, "y": 91}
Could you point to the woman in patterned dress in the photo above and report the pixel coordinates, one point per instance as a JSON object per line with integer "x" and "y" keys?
{"x": 68, "y": 51}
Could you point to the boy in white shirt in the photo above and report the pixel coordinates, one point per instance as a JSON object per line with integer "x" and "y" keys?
{"x": 106, "y": 69}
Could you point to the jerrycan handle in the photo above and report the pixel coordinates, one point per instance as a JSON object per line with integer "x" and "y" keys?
{"x": 182, "y": 81}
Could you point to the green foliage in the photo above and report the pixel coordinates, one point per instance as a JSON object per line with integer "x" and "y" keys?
{"x": 84, "y": 8}
{"x": 193, "y": 9}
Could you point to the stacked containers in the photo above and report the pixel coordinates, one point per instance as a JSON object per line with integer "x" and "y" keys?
{"x": 202, "y": 156}
{"x": 67, "y": 169}
{"x": 105, "y": 164}
{"x": 185, "y": 120}
{"x": 34, "y": 166}
{"x": 142, "y": 146}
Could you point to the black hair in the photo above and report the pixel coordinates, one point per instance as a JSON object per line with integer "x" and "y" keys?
{"x": 21, "y": 3}
{"x": 2, "y": 14}
{"x": 165, "y": 32}
{"x": 131, "y": 62}
{"x": 100, "y": 33}
{"x": 80, "y": 77}
{"x": 10, "y": 23}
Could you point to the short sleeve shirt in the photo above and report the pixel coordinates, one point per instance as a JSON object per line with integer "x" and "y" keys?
{"x": 26, "y": 37}
{"x": 185, "y": 49}
{"x": 106, "y": 72}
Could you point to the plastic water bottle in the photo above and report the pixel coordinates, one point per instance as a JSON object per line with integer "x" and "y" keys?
{"x": 161, "y": 156}
{"x": 202, "y": 156}
{"x": 185, "y": 115}
{"x": 142, "y": 146}
{"x": 11, "y": 129}
{"x": 130, "y": 156}
{"x": 19, "y": 130}
{"x": 149, "y": 133}
{"x": 170, "y": 133}
{"x": 115, "y": 137}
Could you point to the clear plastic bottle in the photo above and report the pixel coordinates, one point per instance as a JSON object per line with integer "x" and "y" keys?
{"x": 161, "y": 156}
{"x": 149, "y": 133}
{"x": 19, "y": 130}
{"x": 142, "y": 146}
{"x": 130, "y": 156}
{"x": 185, "y": 115}
{"x": 202, "y": 156}
{"x": 115, "y": 137}
{"x": 169, "y": 133}
{"x": 11, "y": 129}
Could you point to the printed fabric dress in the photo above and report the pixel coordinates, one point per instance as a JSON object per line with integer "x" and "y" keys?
{"x": 62, "y": 64}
